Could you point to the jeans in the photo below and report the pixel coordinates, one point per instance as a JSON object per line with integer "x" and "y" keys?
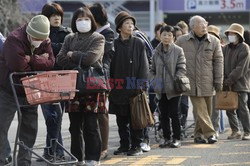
{"x": 28, "y": 129}
{"x": 184, "y": 110}
{"x": 52, "y": 115}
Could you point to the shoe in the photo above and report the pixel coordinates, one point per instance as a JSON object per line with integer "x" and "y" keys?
{"x": 8, "y": 160}
{"x": 121, "y": 151}
{"x": 46, "y": 156}
{"x": 175, "y": 143}
{"x": 165, "y": 144}
{"x": 234, "y": 135}
{"x": 145, "y": 146}
{"x": 246, "y": 136}
{"x": 104, "y": 155}
{"x": 199, "y": 140}
{"x": 92, "y": 163}
{"x": 79, "y": 163}
{"x": 135, "y": 151}
{"x": 212, "y": 139}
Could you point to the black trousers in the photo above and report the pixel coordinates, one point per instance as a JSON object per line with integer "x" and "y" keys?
{"x": 129, "y": 137}
{"x": 84, "y": 126}
{"x": 170, "y": 110}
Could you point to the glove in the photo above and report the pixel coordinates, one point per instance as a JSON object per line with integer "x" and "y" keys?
{"x": 217, "y": 87}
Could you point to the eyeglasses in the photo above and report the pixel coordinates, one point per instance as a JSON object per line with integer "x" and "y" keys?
{"x": 202, "y": 24}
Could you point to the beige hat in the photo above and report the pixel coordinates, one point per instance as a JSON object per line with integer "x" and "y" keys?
{"x": 236, "y": 28}
{"x": 214, "y": 30}
{"x": 39, "y": 27}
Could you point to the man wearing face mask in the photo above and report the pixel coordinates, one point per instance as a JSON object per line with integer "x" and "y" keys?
{"x": 237, "y": 77}
{"x": 26, "y": 49}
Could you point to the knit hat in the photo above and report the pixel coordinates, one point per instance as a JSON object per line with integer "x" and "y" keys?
{"x": 38, "y": 27}
{"x": 236, "y": 28}
{"x": 120, "y": 18}
{"x": 214, "y": 30}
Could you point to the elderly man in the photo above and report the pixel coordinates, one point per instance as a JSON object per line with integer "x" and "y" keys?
{"x": 205, "y": 71}
{"x": 25, "y": 49}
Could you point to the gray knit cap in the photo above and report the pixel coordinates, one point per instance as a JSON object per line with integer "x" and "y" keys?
{"x": 39, "y": 27}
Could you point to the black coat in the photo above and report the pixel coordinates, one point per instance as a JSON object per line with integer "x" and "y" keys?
{"x": 130, "y": 60}
{"x": 57, "y": 35}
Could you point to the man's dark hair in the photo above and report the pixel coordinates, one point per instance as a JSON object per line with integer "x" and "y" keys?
{"x": 99, "y": 13}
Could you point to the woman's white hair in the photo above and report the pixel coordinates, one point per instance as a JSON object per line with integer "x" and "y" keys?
{"x": 194, "y": 19}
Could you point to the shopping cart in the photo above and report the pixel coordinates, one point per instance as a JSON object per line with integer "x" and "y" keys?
{"x": 40, "y": 88}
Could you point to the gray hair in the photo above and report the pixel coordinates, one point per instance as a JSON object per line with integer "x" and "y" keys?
{"x": 194, "y": 19}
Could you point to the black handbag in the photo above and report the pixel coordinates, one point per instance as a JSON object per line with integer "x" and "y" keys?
{"x": 90, "y": 80}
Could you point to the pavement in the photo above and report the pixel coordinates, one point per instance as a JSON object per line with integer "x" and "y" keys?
{"x": 223, "y": 153}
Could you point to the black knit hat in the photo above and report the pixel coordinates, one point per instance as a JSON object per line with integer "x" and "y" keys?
{"x": 121, "y": 17}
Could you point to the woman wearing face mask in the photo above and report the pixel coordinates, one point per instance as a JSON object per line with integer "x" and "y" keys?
{"x": 168, "y": 63}
{"x": 237, "y": 76}
{"x": 88, "y": 46}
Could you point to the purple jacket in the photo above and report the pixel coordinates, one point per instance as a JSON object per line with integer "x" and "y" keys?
{"x": 13, "y": 58}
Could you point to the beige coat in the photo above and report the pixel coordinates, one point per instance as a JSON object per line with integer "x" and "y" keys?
{"x": 204, "y": 63}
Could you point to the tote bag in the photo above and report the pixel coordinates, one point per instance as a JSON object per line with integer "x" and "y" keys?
{"x": 140, "y": 112}
{"x": 226, "y": 100}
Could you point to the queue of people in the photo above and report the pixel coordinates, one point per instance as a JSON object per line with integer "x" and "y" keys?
{"x": 44, "y": 44}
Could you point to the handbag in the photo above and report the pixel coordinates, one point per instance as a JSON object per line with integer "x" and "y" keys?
{"x": 90, "y": 80}
{"x": 140, "y": 112}
{"x": 181, "y": 83}
{"x": 226, "y": 100}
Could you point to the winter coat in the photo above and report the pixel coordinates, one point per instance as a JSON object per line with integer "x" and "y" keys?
{"x": 175, "y": 60}
{"x": 237, "y": 66}
{"x": 13, "y": 58}
{"x": 129, "y": 64}
{"x": 89, "y": 47}
{"x": 57, "y": 35}
{"x": 204, "y": 63}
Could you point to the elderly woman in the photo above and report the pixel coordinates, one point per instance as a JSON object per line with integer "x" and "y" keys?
{"x": 88, "y": 46}
{"x": 168, "y": 62}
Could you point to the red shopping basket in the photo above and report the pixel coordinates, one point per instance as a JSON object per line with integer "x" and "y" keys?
{"x": 51, "y": 86}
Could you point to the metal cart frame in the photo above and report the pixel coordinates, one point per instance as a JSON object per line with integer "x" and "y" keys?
{"x": 54, "y": 160}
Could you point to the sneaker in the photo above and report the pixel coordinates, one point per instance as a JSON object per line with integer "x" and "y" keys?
{"x": 145, "y": 146}
{"x": 104, "y": 155}
{"x": 8, "y": 160}
{"x": 46, "y": 156}
{"x": 121, "y": 151}
{"x": 165, "y": 144}
{"x": 92, "y": 163}
{"x": 175, "y": 143}
{"x": 234, "y": 135}
{"x": 135, "y": 151}
{"x": 212, "y": 139}
{"x": 79, "y": 163}
{"x": 246, "y": 136}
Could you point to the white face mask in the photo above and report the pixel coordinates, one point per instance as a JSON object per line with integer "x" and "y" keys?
{"x": 34, "y": 43}
{"x": 83, "y": 26}
{"x": 232, "y": 38}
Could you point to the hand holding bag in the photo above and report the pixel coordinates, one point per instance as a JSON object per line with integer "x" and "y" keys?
{"x": 90, "y": 80}
{"x": 140, "y": 112}
{"x": 226, "y": 100}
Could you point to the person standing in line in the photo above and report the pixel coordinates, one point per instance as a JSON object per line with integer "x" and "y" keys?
{"x": 51, "y": 112}
{"x": 85, "y": 47}
{"x": 129, "y": 61}
{"x": 168, "y": 63}
{"x": 27, "y": 48}
{"x": 205, "y": 71}
{"x": 183, "y": 26}
{"x": 157, "y": 39}
{"x": 217, "y": 116}
{"x": 247, "y": 41}
{"x": 237, "y": 78}
{"x": 103, "y": 27}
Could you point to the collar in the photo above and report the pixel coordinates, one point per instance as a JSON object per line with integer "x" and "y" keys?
{"x": 103, "y": 27}
{"x": 191, "y": 35}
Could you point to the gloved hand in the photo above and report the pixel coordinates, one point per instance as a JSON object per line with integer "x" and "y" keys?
{"x": 217, "y": 87}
